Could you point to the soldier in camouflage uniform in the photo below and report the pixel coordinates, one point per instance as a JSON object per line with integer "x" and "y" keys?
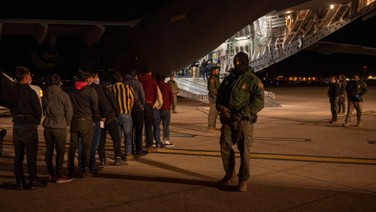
{"x": 240, "y": 97}
{"x": 355, "y": 89}
{"x": 342, "y": 95}
{"x": 175, "y": 90}
{"x": 213, "y": 84}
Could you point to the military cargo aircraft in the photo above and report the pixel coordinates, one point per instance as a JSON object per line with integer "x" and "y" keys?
{"x": 62, "y": 36}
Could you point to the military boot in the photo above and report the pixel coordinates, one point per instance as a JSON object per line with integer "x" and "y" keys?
{"x": 230, "y": 177}
{"x": 242, "y": 185}
{"x": 346, "y": 124}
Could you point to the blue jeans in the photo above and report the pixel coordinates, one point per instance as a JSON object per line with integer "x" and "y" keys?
{"x": 156, "y": 127}
{"x": 165, "y": 118}
{"x": 94, "y": 145}
{"x": 125, "y": 124}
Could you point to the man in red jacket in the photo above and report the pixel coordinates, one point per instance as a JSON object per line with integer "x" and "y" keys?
{"x": 151, "y": 91}
{"x": 165, "y": 111}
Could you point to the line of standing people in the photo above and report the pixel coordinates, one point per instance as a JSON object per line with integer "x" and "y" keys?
{"x": 88, "y": 110}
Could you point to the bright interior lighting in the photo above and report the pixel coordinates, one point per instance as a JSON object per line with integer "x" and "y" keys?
{"x": 241, "y": 38}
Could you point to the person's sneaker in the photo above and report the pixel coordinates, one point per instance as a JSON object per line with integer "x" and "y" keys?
{"x": 102, "y": 163}
{"x": 346, "y": 124}
{"x": 140, "y": 154}
{"x": 332, "y": 121}
{"x": 63, "y": 179}
{"x": 73, "y": 173}
{"x": 120, "y": 162}
{"x": 242, "y": 185}
{"x": 95, "y": 170}
{"x": 229, "y": 178}
{"x": 161, "y": 146}
{"x": 150, "y": 149}
{"x": 21, "y": 185}
{"x": 36, "y": 184}
{"x": 168, "y": 144}
{"x": 52, "y": 178}
{"x": 359, "y": 124}
{"x": 129, "y": 157}
{"x": 154, "y": 143}
{"x": 85, "y": 173}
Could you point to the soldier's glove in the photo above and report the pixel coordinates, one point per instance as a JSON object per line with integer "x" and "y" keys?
{"x": 225, "y": 112}
{"x": 237, "y": 117}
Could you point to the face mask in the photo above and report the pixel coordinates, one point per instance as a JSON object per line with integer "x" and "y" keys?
{"x": 240, "y": 68}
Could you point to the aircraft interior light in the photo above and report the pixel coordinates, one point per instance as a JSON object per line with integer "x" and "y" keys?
{"x": 241, "y": 38}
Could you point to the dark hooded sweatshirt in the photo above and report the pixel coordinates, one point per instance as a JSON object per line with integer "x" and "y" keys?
{"x": 84, "y": 101}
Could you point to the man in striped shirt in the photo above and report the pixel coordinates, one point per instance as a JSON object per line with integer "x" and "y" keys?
{"x": 124, "y": 95}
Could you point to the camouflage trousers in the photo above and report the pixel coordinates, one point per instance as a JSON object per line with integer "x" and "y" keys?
{"x": 241, "y": 134}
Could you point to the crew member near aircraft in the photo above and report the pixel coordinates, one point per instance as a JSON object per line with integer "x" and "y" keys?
{"x": 240, "y": 97}
{"x": 333, "y": 94}
{"x": 355, "y": 89}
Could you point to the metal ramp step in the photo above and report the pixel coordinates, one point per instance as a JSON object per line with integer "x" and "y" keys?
{"x": 196, "y": 89}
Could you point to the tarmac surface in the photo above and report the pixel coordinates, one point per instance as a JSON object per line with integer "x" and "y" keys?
{"x": 299, "y": 162}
